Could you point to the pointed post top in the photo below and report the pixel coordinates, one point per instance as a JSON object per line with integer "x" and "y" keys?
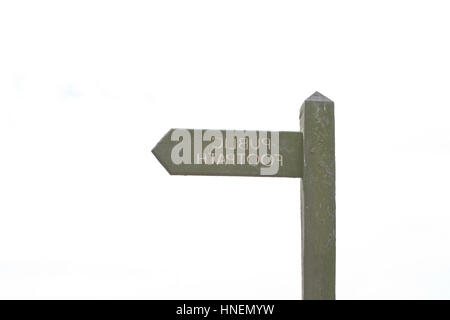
{"x": 317, "y": 96}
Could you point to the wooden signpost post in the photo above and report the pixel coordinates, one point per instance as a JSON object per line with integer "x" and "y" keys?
{"x": 308, "y": 154}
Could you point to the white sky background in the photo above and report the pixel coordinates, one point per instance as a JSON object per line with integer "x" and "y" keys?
{"x": 87, "y": 88}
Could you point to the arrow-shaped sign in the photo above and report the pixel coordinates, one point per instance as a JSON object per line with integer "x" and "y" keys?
{"x": 231, "y": 153}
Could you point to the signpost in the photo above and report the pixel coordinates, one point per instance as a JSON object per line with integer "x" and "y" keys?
{"x": 308, "y": 154}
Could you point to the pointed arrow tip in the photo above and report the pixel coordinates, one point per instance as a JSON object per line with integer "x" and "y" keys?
{"x": 155, "y": 152}
{"x": 158, "y": 152}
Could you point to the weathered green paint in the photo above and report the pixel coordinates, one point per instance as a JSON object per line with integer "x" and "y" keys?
{"x": 318, "y": 206}
{"x": 308, "y": 154}
{"x": 290, "y": 147}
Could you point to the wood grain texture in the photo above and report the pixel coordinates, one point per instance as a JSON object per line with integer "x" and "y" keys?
{"x": 318, "y": 206}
